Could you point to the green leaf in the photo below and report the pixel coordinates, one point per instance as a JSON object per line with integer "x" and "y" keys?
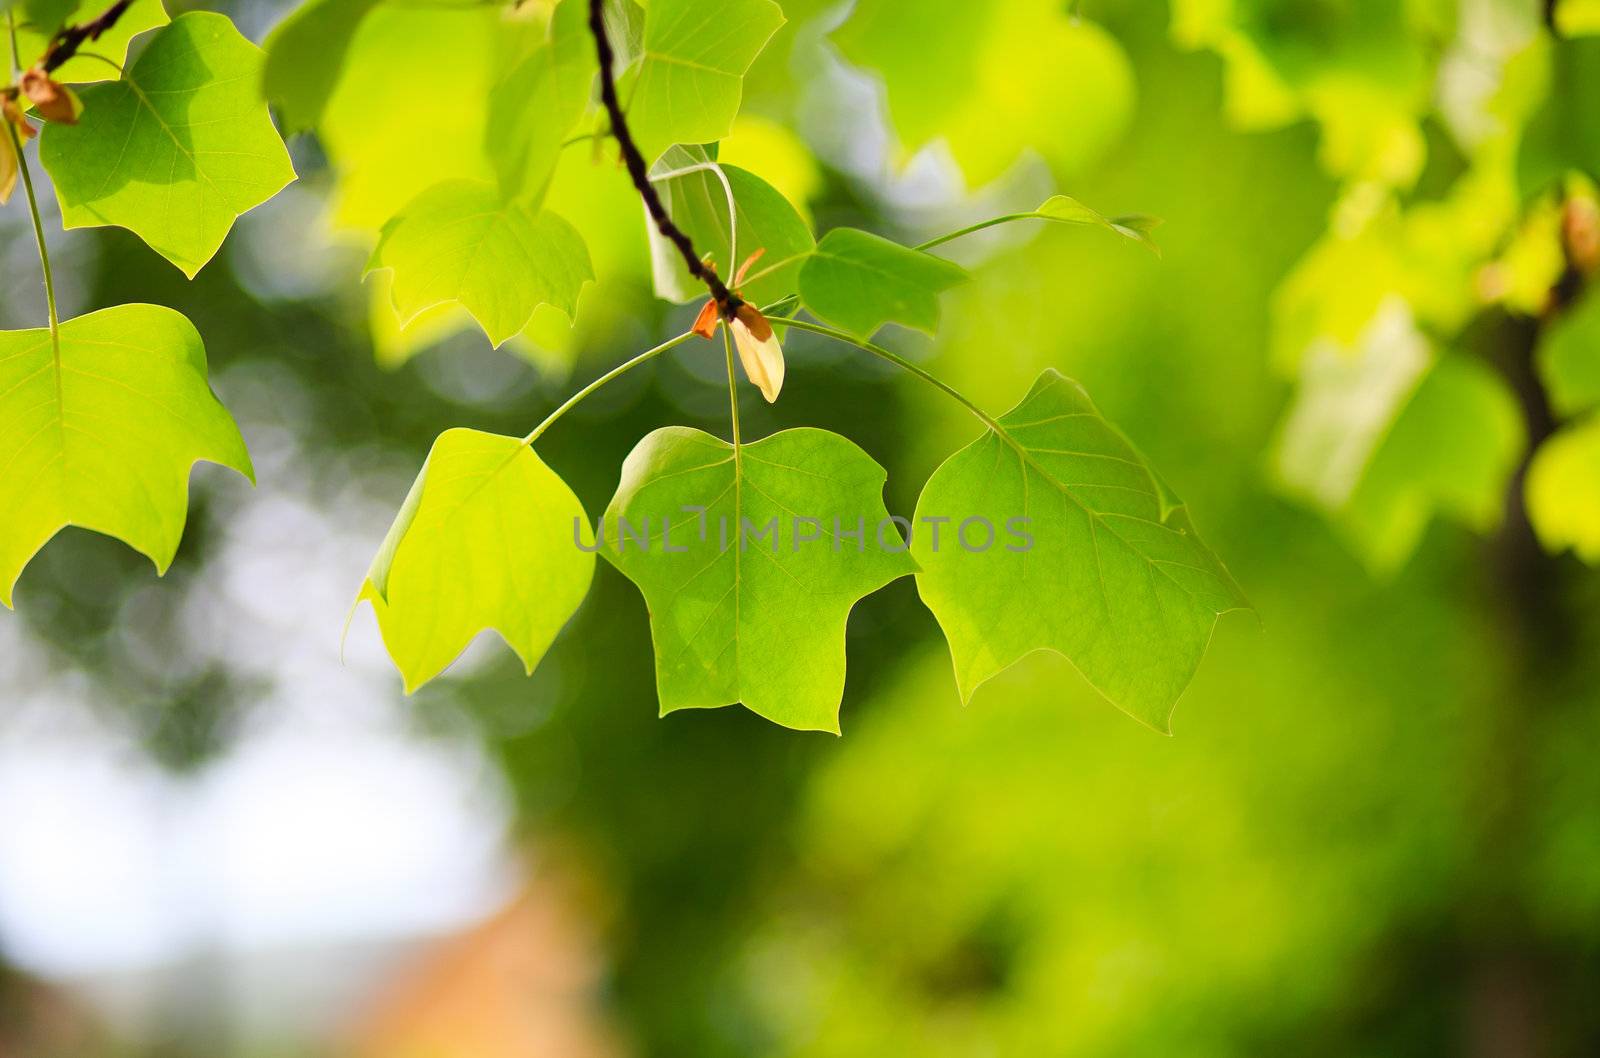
{"x": 104, "y": 434}
{"x": 697, "y": 200}
{"x": 34, "y": 37}
{"x": 1563, "y": 491}
{"x": 687, "y": 86}
{"x": 459, "y": 242}
{"x": 1114, "y": 576}
{"x": 305, "y": 58}
{"x": 185, "y": 126}
{"x": 1135, "y": 226}
{"x": 859, "y": 281}
{"x": 487, "y": 538}
{"x": 741, "y": 617}
{"x": 1384, "y": 438}
{"x": 532, "y": 111}
{"x": 1569, "y": 357}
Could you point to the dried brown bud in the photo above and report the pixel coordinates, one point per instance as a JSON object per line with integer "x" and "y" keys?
{"x": 55, "y": 101}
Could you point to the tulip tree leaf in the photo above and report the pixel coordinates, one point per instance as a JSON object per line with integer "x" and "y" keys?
{"x": 860, "y": 281}
{"x": 690, "y": 77}
{"x": 1563, "y": 491}
{"x": 177, "y": 149}
{"x": 1115, "y": 578}
{"x": 488, "y": 538}
{"x": 748, "y": 618}
{"x": 305, "y": 57}
{"x": 33, "y": 38}
{"x": 460, "y": 242}
{"x": 697, "y": 201}
{"x": 104, "y": 434}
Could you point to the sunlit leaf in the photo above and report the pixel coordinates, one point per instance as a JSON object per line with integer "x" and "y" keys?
{"x": 738, "y": 617}
{"x": 489, "y": 537}
{"x": 104, "y": 434}
{"x": 460, "y": 242}
{"x": 1563, "y": 491}
{"x": 687, "y": 86}
{"x": 697, "y": 200}
{"x": 177, "y": 150}
{"x": 534, "y": 108}
{"x": 306, "y": 56}
{"x": 860, "y": 281}
{"x": 1057, "y": 535}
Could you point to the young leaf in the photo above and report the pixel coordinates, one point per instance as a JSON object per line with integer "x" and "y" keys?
{"x": 691, "y": 76}
{"x": 1136, "y": 226}
{"x": 487, "y": 538}
{"x": 859, "y": 281}
{"x": 33, "y": 37}
{"x": 460, "y": 242}
{"x": 1563, "y": 491}
{"x": 697, "y": 201}
{"x": 739, "y": 617}
{"x": 305, "y": 57}
{"x": 185, "y": 125}
{"x": 103, "y": 434}
{"x": 1073, "y": 546}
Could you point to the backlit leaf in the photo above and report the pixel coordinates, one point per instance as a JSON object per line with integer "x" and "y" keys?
{"x": 104, "y": 434}
{"x": 1070, "y": 211}
{"x": 860, "y": 281}
{"x": 175, "y": 151}
{"x": 1058, "y": 536}
{"x": 460, "y": 242}
{"x": 532, "y": 111}
{"x": 738, "y": 617}
{"x": 306, "y": 55}
{"x": 689, "y": 80}
{"x": 487, "y": 538}
{"x": 1563, "y": 491}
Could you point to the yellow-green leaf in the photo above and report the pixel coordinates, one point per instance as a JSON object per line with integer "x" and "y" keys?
{"x": 102, "y": 433}
{"x": 177, "y": 149}
{"x": 489, "y": 537}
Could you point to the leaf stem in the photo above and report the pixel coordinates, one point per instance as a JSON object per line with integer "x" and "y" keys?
{"x": 616, "y": 372}
{"x": 981, "y": 225}
{"x": 33, "y": 210}
{"x": 899, "y": 361}
{"x": 733, "y": 393}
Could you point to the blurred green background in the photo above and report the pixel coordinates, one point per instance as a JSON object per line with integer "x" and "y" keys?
{"x": 1376, "y": 831}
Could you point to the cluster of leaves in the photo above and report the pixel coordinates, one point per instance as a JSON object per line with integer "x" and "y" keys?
{"x": 1467, "y": 186}
{"x": 103, "y": 416}
{"x": 178, "y": 144}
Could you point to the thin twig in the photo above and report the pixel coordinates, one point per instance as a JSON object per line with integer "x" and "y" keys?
{"x": 727, "y": 301}
{"x": 66, "y": 43}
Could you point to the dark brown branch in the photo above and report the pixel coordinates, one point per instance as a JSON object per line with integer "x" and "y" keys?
{"x": 727, "y": 301}
{"x": 66, "y": 43}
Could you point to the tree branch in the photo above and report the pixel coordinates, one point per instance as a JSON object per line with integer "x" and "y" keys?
{"x": 727, "y": 301}
{"x": 66, "y": 43}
